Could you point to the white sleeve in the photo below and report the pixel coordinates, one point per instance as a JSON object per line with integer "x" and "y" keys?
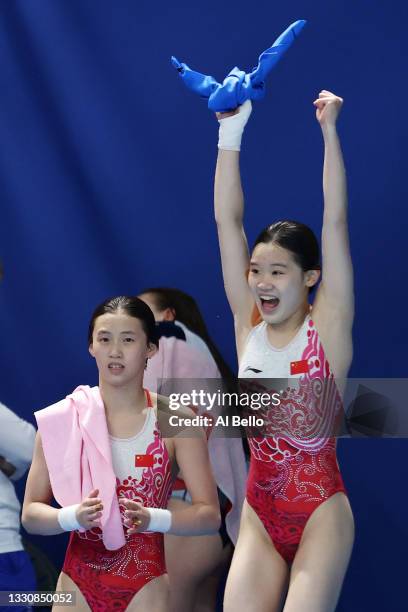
{"x": 16, "y": 441}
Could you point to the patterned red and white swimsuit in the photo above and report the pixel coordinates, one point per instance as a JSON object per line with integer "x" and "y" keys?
{"x": 293, "y": 467}
{"x": 109, "y": 579}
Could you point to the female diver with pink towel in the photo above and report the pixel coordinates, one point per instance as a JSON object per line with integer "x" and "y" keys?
{"x": 113, "y": 489}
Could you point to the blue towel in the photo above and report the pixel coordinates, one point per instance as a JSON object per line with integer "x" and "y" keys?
{"x": 239, "y": 86}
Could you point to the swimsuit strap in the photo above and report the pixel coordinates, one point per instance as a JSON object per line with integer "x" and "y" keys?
{"x": 148, "y": 398}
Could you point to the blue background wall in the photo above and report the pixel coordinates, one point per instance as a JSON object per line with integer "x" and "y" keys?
{"x": 106, "y": 166}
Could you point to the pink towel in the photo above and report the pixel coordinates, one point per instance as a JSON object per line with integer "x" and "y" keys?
{"x": 76, "y": 446}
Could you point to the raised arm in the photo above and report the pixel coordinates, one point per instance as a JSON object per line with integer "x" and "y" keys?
{"x": 229, "y": 210}
{"x": 334, "y": 302}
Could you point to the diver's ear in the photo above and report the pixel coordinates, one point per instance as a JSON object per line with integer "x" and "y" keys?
{"x": 151, "y": 350}
{"x": 91, "y": 350}
{"x": 312, "y": 278}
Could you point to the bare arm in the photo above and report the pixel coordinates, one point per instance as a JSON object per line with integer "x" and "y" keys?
{"x": 337, "y": 279}
{"x": 334, "y": 304}
{"x": 38, "y": 515}
{"x": 203, "y": 515}
{"x": 229, "y": 210}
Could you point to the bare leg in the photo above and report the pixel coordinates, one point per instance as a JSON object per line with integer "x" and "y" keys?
{"x": 189, "y": 560}
{"x": 206, "y": 600}
{"x": 153, "y": 596}
{"x": 65, "y": 583}
{"x": 322, "y": 558}
{"x": 258, "y": 578}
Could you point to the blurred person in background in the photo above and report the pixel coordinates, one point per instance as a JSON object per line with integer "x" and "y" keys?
{"x": 186, "y": 351}
{"x": 16, "y": 451}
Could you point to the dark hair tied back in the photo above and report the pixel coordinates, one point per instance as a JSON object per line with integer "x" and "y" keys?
{"x": 297, "y": 238}
{"x": 186, "y": 311}
{"x": 132, "y": 306}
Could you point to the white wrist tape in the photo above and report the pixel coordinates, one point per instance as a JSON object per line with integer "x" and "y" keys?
{"x": 160, "y": 520}
{"x": 67, "y": 518}
{"x": 232, "y": 128}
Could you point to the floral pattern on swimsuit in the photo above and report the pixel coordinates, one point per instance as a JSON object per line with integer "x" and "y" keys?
{"x": 293, "y": 466}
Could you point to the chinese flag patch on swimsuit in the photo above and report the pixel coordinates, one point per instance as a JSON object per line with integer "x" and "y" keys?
{"x": 143, "y": 461}
{"x": 299, "y": 367}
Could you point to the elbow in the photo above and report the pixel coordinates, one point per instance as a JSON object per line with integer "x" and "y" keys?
{"x": 209, "y": 520}
{"x": 28, "y": 529}
{"x": 227, "y": 219}
{"x": 219, "y": 218}
{"x": 217, "y": 520}
{"x": 228, "y": 226}
{"x": 26, "y": 520}
{"x": 336, "y": 219}
{"x": 214, "y": 520}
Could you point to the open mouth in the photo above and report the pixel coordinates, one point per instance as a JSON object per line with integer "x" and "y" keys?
{"x": 269, "y": 303}
{"x": 116, "y": 367}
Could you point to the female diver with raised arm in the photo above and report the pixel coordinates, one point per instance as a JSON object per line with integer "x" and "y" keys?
{"x": 108, "y": 455}
{"x": 297, "y": 527}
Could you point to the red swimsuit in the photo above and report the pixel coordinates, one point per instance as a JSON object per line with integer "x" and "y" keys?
{"x": 109, "y": 579}
{"x": 294, "y": 467}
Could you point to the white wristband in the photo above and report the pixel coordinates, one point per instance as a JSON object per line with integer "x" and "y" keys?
{"x": 232, "y": 128}
{"x": 67, "y": 518}
{"x": 160, "y": 520}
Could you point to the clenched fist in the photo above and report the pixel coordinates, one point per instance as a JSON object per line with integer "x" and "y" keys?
{"x": 328, "y": 107}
